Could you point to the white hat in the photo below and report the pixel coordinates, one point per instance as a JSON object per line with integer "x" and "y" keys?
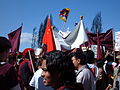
{"x": 38, "y": 51}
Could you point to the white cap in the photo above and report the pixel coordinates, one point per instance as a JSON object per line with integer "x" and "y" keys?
{"x": 38, "y": 51}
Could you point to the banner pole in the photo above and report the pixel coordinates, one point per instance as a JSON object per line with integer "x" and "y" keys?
{"x": 31, "y": 61}
{"x": 63, "y": 26}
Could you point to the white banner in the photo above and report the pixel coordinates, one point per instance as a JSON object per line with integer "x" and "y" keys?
{"x": 117, "y": 41}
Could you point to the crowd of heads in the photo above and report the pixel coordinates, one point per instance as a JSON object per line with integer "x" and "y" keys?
{"x": 58, "y": 66}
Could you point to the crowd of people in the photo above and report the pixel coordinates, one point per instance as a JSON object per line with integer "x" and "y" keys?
{"x": 57, "y": 70}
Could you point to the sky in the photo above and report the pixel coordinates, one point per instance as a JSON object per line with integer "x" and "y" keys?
{"x": 31, "y": 13}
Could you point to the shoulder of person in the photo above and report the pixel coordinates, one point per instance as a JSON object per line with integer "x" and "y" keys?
{"x": 72, "y": 86}
{"x": 4, "y": 68}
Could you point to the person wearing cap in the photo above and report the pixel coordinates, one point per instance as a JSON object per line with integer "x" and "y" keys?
{"x": 26, "y": 70}
{"x": 8, "y": 77}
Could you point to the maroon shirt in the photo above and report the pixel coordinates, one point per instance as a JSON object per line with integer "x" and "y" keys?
{"x": 8, "y": 77}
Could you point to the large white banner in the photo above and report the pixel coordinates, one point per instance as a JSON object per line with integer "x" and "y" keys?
{"x": 117, "y": 41}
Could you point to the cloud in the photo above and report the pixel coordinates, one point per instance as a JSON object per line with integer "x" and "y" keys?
{"x": 26, "y": 38}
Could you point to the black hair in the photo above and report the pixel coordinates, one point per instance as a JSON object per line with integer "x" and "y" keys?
{"x": 4, "y": 44}
{"x": 89, "y": 56}
{"x": 58, "y": 62}
{"x": 39, "y": 61}
{"x": 78, "y": 55}
{"x": 110, "y": 58}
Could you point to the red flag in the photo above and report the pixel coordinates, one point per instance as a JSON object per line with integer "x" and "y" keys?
{"x": 48, "y": 38}
{"x": 99, "y": 52}
{"x": 106, "y": 39}
{"x": 14, "y": 38}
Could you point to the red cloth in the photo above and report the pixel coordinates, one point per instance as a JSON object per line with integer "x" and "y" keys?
{"x": 48, "y": 38}
{"x": 5, "y": 68}
{"x": 29, "y": 65}
{"x": 99, "y": 52}
{"x": 26, "y": 51}
{"x": 8, "y": 77}
{"x": 106, "y": 39}
{"x": 14, "y": 38}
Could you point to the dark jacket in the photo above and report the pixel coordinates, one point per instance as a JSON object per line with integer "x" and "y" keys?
{"x": 73, "y": 86}
{"x": 8, "y": 77}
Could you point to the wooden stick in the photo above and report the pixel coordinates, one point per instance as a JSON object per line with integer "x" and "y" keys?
{"x": 31, "y": 61}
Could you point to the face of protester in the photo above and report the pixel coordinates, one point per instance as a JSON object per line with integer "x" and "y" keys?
{"x": 48, "y": 79}
{"x": 100, "y": 73}
{"x": 75, "y": 62}
{"x": 4, "y": 55}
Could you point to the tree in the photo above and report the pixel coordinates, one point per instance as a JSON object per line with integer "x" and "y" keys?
{"x": 97, "y": 25}
{"x": 33, "y": 44}
{"x": 41, "y": 32}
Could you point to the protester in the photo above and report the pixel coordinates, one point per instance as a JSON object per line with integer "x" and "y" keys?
{"x": 26, "y": 70}
{"x": 8, "y": 77}
{"x": 91, "y": 62}
{"x": 19, "y": 58}
{"x": 101, "y": 83}
{"x": 84, "y": 74}
{"x": 58, "y": 72}
{"x": 108, "y": 67}
{"x": 36, "y": 82}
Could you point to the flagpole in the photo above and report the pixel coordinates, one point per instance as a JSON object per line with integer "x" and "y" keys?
{"x": 64, "y": 15}
{"x": 63, "y": 26}
{"x": 99, "y": 52}
{"x": 31, "y": 61}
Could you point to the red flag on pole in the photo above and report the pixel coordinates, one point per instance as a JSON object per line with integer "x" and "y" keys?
{"x": 99, "y": 52}
{"x": 48, "y": 38}
{"x": 14, "y": 38}
{"x": 106, "y": 39}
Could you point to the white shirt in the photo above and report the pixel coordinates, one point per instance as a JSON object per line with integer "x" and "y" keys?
{"x": 95, "y": 67}
{"x": 34, "y": 80}
{"x": 37, "y": 81}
